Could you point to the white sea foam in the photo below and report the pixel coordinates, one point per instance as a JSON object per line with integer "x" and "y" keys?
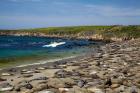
{"x": 54, "y": 44}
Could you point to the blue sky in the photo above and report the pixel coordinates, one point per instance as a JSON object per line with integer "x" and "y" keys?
{"x": 15, "y": 14}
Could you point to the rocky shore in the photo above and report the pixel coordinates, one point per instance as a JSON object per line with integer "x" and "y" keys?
{"x": 90, "y": 36}
{"x": 113, "y": 68}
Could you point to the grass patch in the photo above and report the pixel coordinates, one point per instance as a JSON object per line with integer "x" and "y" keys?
{"x": 107, "y": 32}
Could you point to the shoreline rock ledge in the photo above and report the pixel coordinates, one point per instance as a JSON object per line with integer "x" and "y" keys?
{"x": 115, "y": 68}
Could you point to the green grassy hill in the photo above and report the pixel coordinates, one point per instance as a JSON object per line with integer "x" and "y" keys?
{"x": 90, "y": 32}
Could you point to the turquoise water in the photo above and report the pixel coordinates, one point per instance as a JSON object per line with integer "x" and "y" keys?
{"x": 24, "y": 49}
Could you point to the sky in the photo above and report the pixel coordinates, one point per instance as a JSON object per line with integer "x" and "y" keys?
{"x": 20, "y": 14}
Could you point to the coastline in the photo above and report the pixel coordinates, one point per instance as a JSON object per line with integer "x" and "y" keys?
{"x": 43, "y": 54}
{"x": 103, "y": 33}
{"x": 43, "y": 62}
{"x": 51, "y": 61}
{"x": 112, "y": 68}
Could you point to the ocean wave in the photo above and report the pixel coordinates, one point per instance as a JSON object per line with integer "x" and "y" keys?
{"x": 54, "y": 44}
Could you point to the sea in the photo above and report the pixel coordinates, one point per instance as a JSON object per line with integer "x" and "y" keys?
{"x": 19, "y": 50}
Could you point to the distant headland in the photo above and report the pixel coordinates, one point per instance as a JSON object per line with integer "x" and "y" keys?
{"x": 107, "y": 33}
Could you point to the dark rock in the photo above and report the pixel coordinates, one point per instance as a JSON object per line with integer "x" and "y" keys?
{"x": 81, "y": 83}
{"x": 12, "y": 80}
{"x": 108, "y": 82}
{"x": 39, "y": 78}
{"x": 98, "y": 63}
{"x": 27, "y": 75}
{"x": 12, "y": 70}
{"x": 62, "y": 73}
{"x": 61, "y": 62}
{"x": 29, "y": 86}
{"x": 1, "y": 79}
{"x": 75, "y": 64}
{"x": 125, "y": 71}
{"x": 36, "y": 71}
{"x": 17, "y": 89}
